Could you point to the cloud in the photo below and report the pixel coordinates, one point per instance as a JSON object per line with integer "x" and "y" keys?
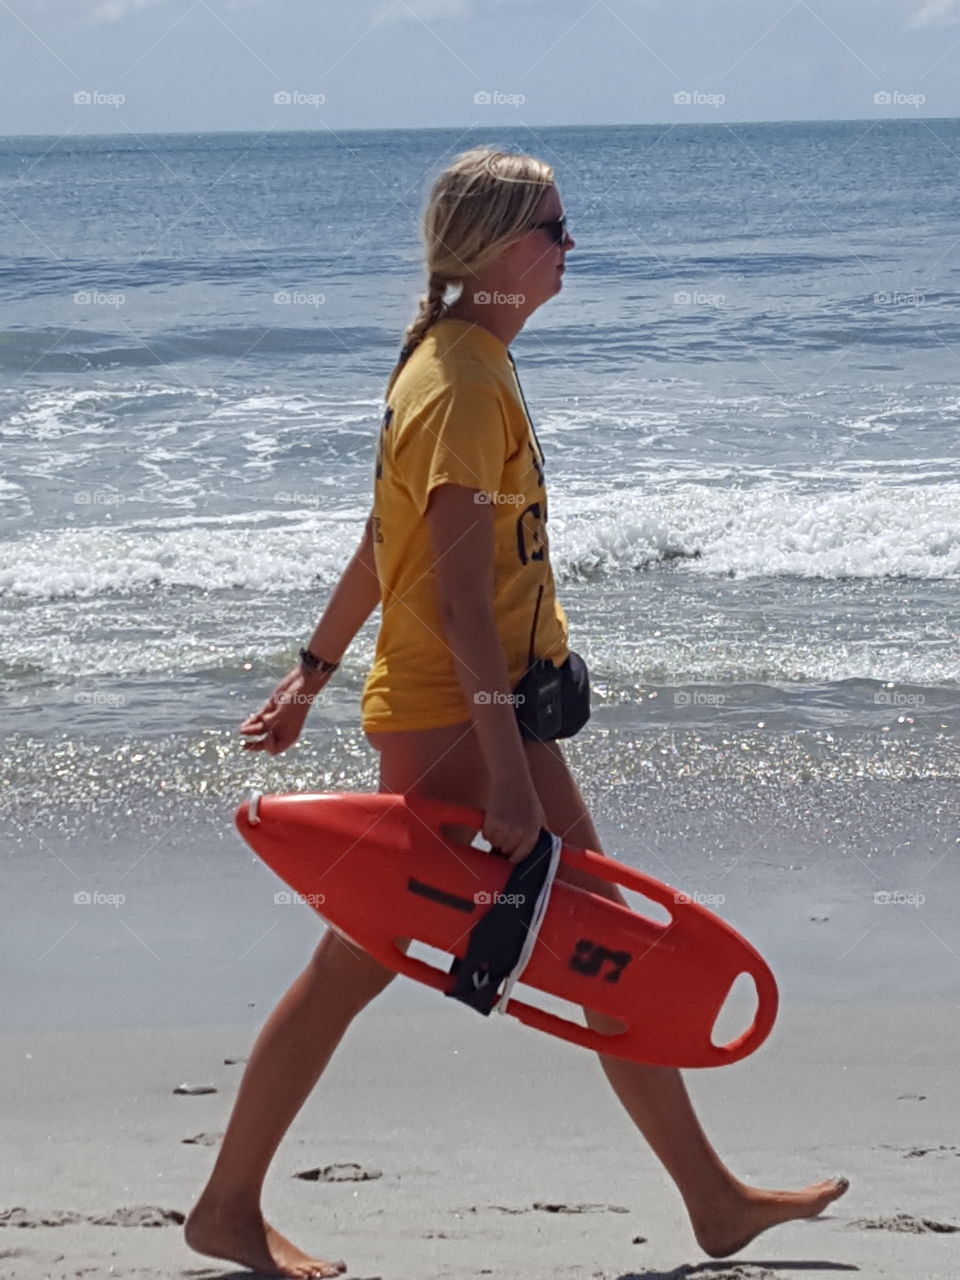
{"x": 936, "y": 13}
{"x": 116, "y": 10}
{"x": 426, "y": 10}
{"x": 390, "y": 11}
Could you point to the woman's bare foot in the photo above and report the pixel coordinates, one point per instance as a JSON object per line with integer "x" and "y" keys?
{"x": 245, "y": 1237}
{"x": 729, "y": 1229}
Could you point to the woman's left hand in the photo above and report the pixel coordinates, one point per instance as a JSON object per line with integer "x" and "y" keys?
{"x": 278, "y": 723}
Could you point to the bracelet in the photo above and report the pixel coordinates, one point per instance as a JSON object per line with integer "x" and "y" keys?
{"x": 314, "y": 666}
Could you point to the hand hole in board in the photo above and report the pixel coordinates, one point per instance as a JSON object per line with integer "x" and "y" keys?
{"x": 737, "y": 1013}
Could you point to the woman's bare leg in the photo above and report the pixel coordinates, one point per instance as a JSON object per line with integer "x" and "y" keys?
{"x": 289, "y": 1055}
{"x": 298, "y": 1040}
{"x": 724, "y": 1212}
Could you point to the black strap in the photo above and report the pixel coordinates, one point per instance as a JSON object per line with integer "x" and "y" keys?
{"x": 526, "y": 408}
{"x": 496, "y": 940}
{"x": 533, "y": 629}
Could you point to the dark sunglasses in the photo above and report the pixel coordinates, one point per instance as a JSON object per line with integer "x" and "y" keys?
{"x": 557, "y": 228}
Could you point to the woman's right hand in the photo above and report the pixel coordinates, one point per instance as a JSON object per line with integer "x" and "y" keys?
{"x": 278, "y": 723}
{"x": 514, "y": 815}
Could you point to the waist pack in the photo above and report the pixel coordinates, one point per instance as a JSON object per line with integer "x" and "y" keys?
{"x": 553, "y": 702}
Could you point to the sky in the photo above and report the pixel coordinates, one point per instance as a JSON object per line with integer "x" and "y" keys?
{"x": 149, "y": 66}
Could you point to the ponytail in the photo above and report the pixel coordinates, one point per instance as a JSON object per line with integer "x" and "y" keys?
{"x": 432, "y": 309}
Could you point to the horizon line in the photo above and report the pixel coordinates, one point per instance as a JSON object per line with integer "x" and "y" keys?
{"x": 501, "y": 126}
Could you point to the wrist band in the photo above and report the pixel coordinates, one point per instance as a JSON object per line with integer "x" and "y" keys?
{"x": 314, "y": 665}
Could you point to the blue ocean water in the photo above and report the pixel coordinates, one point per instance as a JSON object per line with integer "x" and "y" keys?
{"x": 747, "y": 394}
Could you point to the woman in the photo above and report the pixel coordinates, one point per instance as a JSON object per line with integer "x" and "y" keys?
{"x": 456, "y": 552}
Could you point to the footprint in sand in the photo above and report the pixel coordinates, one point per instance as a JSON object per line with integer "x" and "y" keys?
{"x": 340, "y": 1173}
{"x": 543, "y": 1206}
{"x": 904, "y": 1222}
{"x": 138, "y": 1215}
{"x": 39, "y": 1218}
{"x": 141, "y": 1215}
{"x": 204, "y": 1139}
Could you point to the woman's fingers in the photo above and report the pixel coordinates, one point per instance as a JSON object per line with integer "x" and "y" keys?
{"x": 266, "y": 743}
{"x": 267, "y": 725}
{"x": 514, "y": 842}
{"x": 263, "y": 719}
{"x": 267, "y": 709}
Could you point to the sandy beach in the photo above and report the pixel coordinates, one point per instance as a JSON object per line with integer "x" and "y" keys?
{"x": 444, "y": 1145}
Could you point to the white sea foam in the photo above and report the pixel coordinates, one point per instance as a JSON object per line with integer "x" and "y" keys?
{"x": 864, "y": 531}
{"x": 871, "y": 531}
{"x": 84, "y": 563}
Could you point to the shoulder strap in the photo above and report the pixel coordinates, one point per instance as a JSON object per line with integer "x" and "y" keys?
{"x": 526, "y": 407}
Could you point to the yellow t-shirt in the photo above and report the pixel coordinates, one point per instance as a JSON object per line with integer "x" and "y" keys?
{"x": 455, "y": 416}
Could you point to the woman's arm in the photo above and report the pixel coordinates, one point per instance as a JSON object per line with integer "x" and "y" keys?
{"x": 277, "y": 724}
{"x": 461, "y": 537}
{"x": 352, "y": 601}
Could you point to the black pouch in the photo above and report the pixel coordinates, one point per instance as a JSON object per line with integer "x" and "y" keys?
{"x": 553, "y": 702}
{"x": 538, "y": 701}
{"x": 574, "y": 695}
{"x": 549, "y": 701}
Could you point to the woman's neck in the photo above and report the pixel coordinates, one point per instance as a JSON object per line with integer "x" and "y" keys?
{"x": 503, "y": 322}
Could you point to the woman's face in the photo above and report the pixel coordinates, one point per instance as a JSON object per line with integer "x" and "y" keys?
{"x": 536, "y": 261}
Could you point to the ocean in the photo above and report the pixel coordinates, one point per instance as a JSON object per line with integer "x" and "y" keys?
{"x": 747, "y": 394}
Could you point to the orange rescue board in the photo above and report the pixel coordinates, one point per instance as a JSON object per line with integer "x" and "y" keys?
{"x": 379, "y": 867}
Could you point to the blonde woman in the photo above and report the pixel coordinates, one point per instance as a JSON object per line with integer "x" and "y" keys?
{"x": 456, "y": 553}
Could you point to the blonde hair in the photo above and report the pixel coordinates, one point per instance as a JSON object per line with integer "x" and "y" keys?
{"x": 481, "y": 203}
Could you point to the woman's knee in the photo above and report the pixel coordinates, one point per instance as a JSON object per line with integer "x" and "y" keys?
{"x": 352, "y": 974}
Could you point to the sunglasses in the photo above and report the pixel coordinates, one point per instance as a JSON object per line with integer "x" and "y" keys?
{"x": 556, "y": 227}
